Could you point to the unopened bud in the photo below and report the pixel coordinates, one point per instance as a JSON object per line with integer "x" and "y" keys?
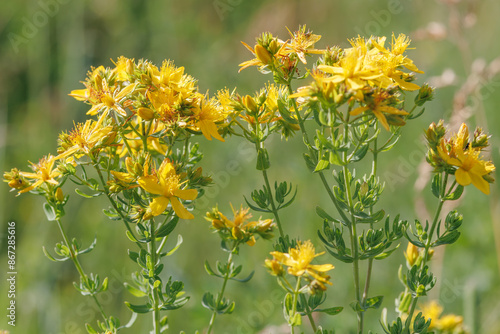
{"x": 275, "y": 267}
{"x": 249, "y": 103}
{"x": 262, "y": 54}
{"x": 146, "y": 113}
{"x": 59, "y": 195}
{"x": 426, "y": 93}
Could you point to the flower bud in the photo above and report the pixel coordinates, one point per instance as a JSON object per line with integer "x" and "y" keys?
{"x": 426, "y": 93}
{"x": 262, "y": 54}
{"x": 275, "y": 267}
{"x": 249, "y": 103}
{"x": 411, "y": 254}
{"x": 59, "y": 195}
{"x": 146, "y": 113}
{"x": 434, "y": 134}
{"x": 480, "y": 139}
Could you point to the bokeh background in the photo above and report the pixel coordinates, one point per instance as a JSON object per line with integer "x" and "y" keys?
{"x": 46, "y": 48}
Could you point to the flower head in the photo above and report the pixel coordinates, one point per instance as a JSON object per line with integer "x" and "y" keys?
{"x": 165, "y": 183}
{"x": 240, "y": 227}
{"x": 298, "y": 260}
{"x": 43, "y": 173}
{"x": 464, "y": 159}
{"x": 449, "y": 323}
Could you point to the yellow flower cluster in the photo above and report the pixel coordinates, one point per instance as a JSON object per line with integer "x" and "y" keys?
{"x": 141, "y": 112}
{"x": 447, "y": 324}
{"x": 298, "y": 260}
{"x": 166, "y": 95}
{"x": 460, "y": 155}
{"x": 240, "y": 228}
{"x": 369, "y": 73}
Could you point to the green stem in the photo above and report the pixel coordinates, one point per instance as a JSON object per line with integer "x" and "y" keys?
{"x": 428, "y": 246}
{"x": 370, "y": 260}
{"x": 294, "y": 302}
{"x": 221, "y": 294}
{"x": 112, "y": 201}
{"x": 84, "y": 277}
{"x": 156, "y": 297}
{"x": 309, "y": 313}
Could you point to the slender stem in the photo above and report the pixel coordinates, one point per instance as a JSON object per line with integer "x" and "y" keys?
{"x": 428, "y": 245}
{"x": 221, "y": 294}
{"x": 84, "y": 277}
{"x": 112, "y": 201}
{"x": 309, "y": 313}
{"x": 294, "y": 303}
{"x": 156, "y": 297}
{"x": 370, "y": 260}
{"x": 312, "y": 153}
{"x": 273, "y": 205}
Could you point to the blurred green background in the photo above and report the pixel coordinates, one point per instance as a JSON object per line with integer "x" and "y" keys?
{"x": 46, "y": 48}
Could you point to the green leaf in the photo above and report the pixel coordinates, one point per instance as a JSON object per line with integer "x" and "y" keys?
{"x": 447, "y": 238}
{"x": 358, "y": 154}
{"x": 210, "y": 271}
{"x": 111, "y": 214}
{"x": 208, "y": 301}
{"x": 456, "y": 194}
{"x": 335, "y": 159}
{"x": 262, "y": 159}
{"x": 331, "y": 310}
{"x": 131, "y": 236}
{"x": 310, "y": 163}
{"x": 79, "y": 192}
{"x": 436, "y": 185}
{"x": 167, "y": 228}
{"x": 177, "y": 245}
{"x": 356, "y": 306}
{"x": 244, "y": 280}
{"x": 134, "y": 291}
{"x": 374, "y": 302}
{"x": 139, "y": 308}
{"x": 50, "y": 257}
{"x": 322, "y": 213}
{"x": 322, "y": 164}
{"x": 49, "y": 212}
{"x": 90, "y": 330}
{"x": 295, "y": 320}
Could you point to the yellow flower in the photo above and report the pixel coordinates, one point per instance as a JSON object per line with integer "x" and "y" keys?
{"x": 267, "y": 50}
{"x": 43, "y": 173}
{"x": 298, "y": 260}
{"x": 104, "y": 97}
{"x": 206, "y": 114}
{"x": 378, "y": 106}
{"x": 449, "y": 323}
{"x": 166, "y": 183}
{"x": 460, "y": 153}
{"x": 351, "y": 70}
{"x": 302, "y": 43}
{"x": 84, "y": 138}
{"x": 240, "y": 228}
{"x": 124, "y": 68}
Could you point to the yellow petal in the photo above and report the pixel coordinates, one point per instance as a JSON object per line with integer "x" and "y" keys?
{"x": 358, "y": 110}
{"x": 392, "y": 110}
{"x": 463, "y": 177}
{"x": 158, "y": 205}
{"x": 80, "y": 94}
{"x": 150, "y": 184}
{"x": 189, "y": 194}
{"x": 480, "y": 183}
{"x": 381, "y": 119}
{"x": 180, "y": 210}
{"x": 209, "y": 130}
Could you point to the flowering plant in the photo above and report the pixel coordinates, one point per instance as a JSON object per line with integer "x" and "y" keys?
{"x": 138, "y": 150}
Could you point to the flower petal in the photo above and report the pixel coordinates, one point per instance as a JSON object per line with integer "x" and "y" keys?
{"x": 189, "y": 194}
{"x": 480, "y": 183}
{"x": 150, "y": 184}
{"x": 158, "y": 205}
{"x": 180, "y": 210}
{"x": 463, "y": 177}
